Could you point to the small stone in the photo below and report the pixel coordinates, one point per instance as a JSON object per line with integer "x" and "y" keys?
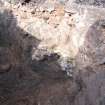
{"x": 69, "y": 74}
{"x": 67, "y": 65}
{"x": 4, "y": 68}
{"x": 48, "y": 6}
{"x": 50, "y": 9}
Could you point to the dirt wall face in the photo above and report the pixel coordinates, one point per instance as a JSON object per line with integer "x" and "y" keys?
{"x": 52, "y": 52}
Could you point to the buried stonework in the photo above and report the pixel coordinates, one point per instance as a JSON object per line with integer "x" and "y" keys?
{"x": 52, "y": 55}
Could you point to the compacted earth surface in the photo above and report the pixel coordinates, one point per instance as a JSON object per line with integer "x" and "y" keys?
{"x": 52, "y": 52}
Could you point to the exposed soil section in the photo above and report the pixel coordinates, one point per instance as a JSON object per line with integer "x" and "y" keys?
{"x": 49, "y": 56}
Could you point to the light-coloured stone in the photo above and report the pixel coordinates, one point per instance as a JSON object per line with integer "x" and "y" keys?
{"x": 48, "y": 6}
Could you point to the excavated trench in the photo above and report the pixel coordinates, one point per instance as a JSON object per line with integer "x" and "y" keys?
{"x": 41, "y": 77}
